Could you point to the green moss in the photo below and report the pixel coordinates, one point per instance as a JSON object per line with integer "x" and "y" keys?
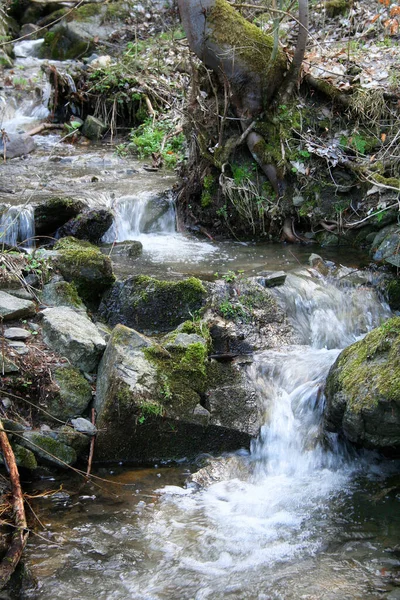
{"x": 390, "y": 181}
{"x": 72, "y": 381}
{"x": 336, "y": 7}
{"x": 25, "y": 458}
{"x": 85, "y": 266}
{"x": 51, "y": 449}
{"x": 369, "y": 370}
{"x": 59, "y": 46}
{"x": 181, "y": 375}
{"x": 86, "y": 12}
{"x": 251, "y": 45}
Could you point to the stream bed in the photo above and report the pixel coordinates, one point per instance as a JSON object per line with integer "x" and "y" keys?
{"x": 300, "y": 516}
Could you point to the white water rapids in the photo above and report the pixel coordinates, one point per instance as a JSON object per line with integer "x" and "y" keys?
{"x": 280, "y": 525}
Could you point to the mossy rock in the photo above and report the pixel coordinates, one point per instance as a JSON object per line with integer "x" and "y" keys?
{"x": 336, "y": 7}
{"x": 393, "y": 293}
{"x": 63, "y": 44}
{"x": 84, "y": 265}
{"x": 152, "y": 305}
{"x": 62, "y": 293}
{"x": 48, "y": 449}
{"x": 54, "y": 212}
{"x": 363, "y": 390}
{"x": 73, "y": 396}
{"x": 23, "y": 457}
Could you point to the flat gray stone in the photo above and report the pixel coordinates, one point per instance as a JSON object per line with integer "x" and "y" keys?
{"x": 15, "y": 308}
{"x": 74, "y": 336}
{"x": 83, "y": 426}
{"x": 16, "y": 333}
{"x": 7, "y": 366}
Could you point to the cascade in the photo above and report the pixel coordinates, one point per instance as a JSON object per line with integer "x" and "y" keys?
{"x": 17, "y": 227}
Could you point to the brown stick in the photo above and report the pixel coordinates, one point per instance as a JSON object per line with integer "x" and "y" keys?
{"x": 90, "y": 460}
{"x": 44, "y": 126}
{"x": 20, "y": 535}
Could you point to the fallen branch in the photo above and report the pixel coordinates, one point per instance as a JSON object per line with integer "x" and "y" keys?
{"x": 43, "y": 127}
{"x": 91, "y": 453}
{"x": 20, "y": 535}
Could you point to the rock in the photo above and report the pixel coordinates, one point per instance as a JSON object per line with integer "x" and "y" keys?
{"x": 89, "y": 225}
{"x": 25, "y": 458}
{"x": 74, "y": 336}
{"x": 18, "y": 348}
{"x": 244, "y": 316}
{"x": 47, "y": 447}
{"x": 64, "y": 42}
{"x": 145, "y": 393}
{"x": 133, "y": 248}
{"x": 151, "y": 305}
{"x": 15, "y": 308}
{"x": 73, "y": 395}
{"x": 5, "y": 60}
{"x": 317, "y": 262}
{"x": 223, "y": 468}
{"x": 17, "y": 145}
{"x": 84, "y": 265}
{"x": 22, "y": 294}
{"x": 94, "y": 129}
{"x": 386, "y": 245}
{"x": 363, "y": 390}
{"x": 77, "y": 440}
{"x": 62, "y": 293}
{"x": 272, "y": 278}
{"x": 184, "y": 340}
{"x": 83, "y": 426}
{"x": 54, "y": 212}
{"x": 17, "y": 333}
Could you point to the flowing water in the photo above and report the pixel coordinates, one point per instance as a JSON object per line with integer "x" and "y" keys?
{"x": 300, "y": 516}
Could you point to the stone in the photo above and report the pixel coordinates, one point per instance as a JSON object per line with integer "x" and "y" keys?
{"x": 130, "y": 248}
{"x": 17, "y": 145}
{"x": 17, "y": 333}
{"x": 90, "y": 225}
{"x": 22, "y": 294}
{"x": 24, "y": 457}
{"x": 84, "y": 265}
{"x": 15, "y": 308}
{"x": 223, "y": 468}
{"x": 93, "y": 128}
{"x": 150, "y": 305}
{"x": 272, "y": 278}
{"x": 54, "y": 212}
{"x": 18, "y": 348}
{"x": 5, "y": 60}
{"x": 184, "y": 340}
{"x": 201, "y": 415}
{"x": 363, "y": 390}
{"x": 73, "y": 395}
{"x": 83, "y": 426}
{"x": 47, "y": 447}
{"x": 386, "y": 245}
{"x": 71, "y": 437}
{"x": 62, "y": 293}
{"x": 74, "y": 336}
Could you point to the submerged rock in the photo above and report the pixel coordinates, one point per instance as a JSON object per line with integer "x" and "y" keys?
{"x": 363, "y": 390}
{"x": 150, "y": 305}
{"x": 74, "y": 336}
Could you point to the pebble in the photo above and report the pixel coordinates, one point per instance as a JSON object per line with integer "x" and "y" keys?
{"x": 17, "y": 333}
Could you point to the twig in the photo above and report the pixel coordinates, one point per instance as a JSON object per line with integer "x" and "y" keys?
{"x": 89, "y": 467}
{"x": 20, "y": 535}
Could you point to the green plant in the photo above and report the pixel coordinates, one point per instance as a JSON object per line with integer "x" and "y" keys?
{"x": 230, "y": 311}
{"x": 158, "y": 138}
{"x": 150, "y": 409}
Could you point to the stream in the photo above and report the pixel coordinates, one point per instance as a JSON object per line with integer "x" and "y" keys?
{"x": 300, "y": 516}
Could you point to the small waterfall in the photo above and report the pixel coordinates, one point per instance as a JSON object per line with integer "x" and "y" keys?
{"x": 17, "y": 227}
{"x": 142, "y": 214}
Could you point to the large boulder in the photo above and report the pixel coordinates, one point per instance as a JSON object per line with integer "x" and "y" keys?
{"x": 151, "y": 400}
{"x": 54, "y": 212}
{"x": 84, "y": 265}
{"x": 150, "y": 305}
{"x": 363, "y": 390}
{"x": 74, "y": 336}
{"x": 62, "y": 293}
